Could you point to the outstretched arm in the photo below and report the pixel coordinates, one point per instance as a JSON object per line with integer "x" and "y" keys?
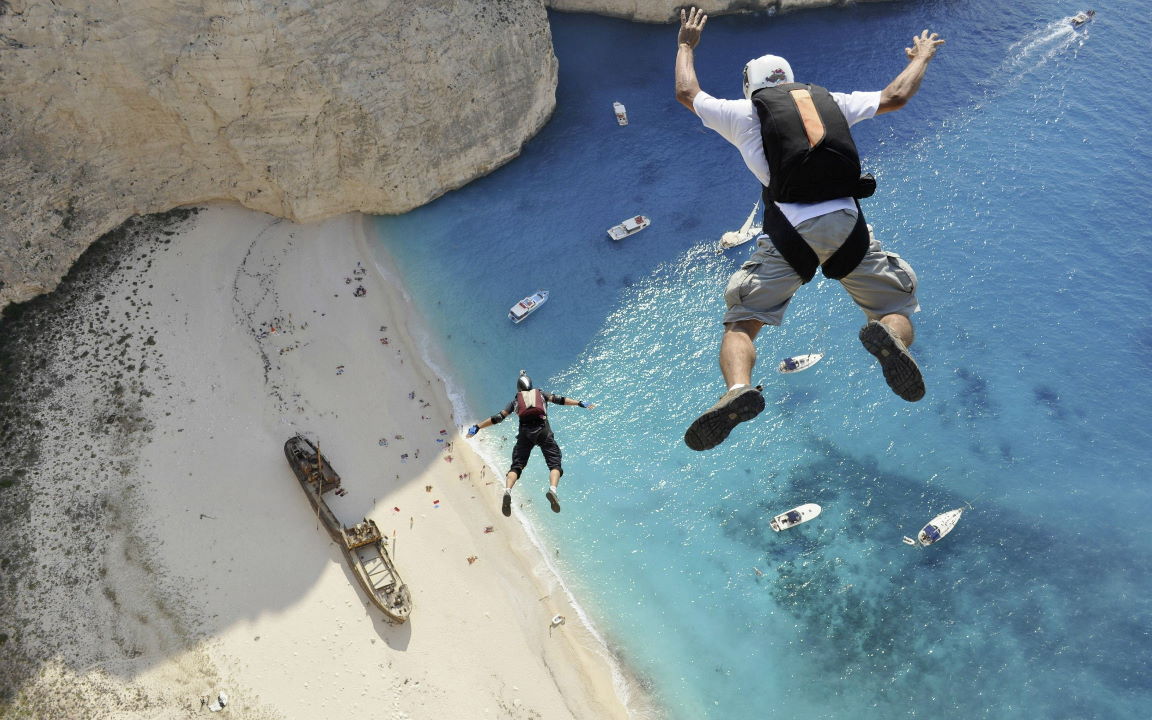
{"x": 562, "y": 400}
{"x": 905, "y": 85}
{"x": 581, "y": 403}
{"x": 487, "y": 422}
{"x": 691, "y": 26}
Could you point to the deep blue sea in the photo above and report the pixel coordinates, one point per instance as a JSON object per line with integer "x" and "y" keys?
{"x": 1016, "y": 184}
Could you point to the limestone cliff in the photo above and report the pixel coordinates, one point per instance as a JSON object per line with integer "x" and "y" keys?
{"x": 666, "y": 10}
{"x": 299, "y": 108}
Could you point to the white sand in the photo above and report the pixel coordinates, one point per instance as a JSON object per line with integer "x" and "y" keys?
{"x": 262, "y": 605}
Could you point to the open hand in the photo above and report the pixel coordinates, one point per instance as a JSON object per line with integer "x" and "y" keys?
{"x": 691, "y": 25}
{"x": 923, "y": 46}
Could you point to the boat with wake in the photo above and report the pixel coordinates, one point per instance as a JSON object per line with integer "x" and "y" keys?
{"x": 527, "y": 306}
{"x": 363, "y": 544}
{"x": 1082, "y": 17}
{"x": 749, "y": 230}
{"x": 936, "y": 528}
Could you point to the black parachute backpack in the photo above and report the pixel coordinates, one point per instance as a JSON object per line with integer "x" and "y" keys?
{"x": 810, "y": 151}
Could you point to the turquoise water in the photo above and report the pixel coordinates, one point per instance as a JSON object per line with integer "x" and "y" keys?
{"x": 1014, "y": 183}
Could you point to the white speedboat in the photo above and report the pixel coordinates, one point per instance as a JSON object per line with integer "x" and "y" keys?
{"x": 1082, "y": 17}
{"x": 795, "y": 516}
{"x": 937, "y": 528}
{"x": 749, "y": 230}
{"x": 631, "y": 226}
{"x": 527, "y": 306}
{"x": 621, "y": 113}
{"x": 797, "y": 363}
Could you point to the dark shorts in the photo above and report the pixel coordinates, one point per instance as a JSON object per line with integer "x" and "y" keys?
{"x": 529, "y": 438}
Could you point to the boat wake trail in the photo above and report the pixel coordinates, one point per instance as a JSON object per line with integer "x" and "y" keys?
{"x": 1044, "y": 49}
{"x": 1038, "y": 49}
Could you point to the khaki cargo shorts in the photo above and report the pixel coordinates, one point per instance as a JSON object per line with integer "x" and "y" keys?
{"x": 882, "y": 284}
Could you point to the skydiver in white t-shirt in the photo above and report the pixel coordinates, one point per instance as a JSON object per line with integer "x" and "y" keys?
{"x": 811, "y": 178}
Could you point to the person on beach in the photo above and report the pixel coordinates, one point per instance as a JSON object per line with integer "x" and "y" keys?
{"x": 530, "y": 405}
{"x": 795, "y": 139}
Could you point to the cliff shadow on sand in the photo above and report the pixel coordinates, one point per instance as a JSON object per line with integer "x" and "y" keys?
{"x": 93, "y": 614}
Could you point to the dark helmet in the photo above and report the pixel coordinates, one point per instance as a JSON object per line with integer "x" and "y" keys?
{"x": 523, "y": 382}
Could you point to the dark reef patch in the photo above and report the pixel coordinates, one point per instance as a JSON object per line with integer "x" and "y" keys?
{"x": 1049, "y": 399}
{"x": 879, "y": 612}
{"x": 685, "y": 223}
{"x": 975, "y": 396}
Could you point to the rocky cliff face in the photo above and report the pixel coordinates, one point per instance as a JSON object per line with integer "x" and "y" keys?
{"x": 299, "y": 108}
{"x": 667, "y": 10}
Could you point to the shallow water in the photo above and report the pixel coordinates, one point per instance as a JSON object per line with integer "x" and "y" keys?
{"x": 1013, "y": 184}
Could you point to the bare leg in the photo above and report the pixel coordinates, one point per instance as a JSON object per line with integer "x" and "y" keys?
{"x": 553, "y": 481}
{"x": 738, "y": 352}
{"x": 888, "y": 340}
{"x": 737, "y": 358}
{"x": 506, "y": 501}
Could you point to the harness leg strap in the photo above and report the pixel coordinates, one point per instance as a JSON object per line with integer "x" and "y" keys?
{"x": 848, "y": 256}
{"x": 787, "y": 241}
{"x": 792, "y": 247}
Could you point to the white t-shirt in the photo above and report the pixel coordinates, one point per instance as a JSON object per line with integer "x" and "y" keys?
{"x": 738, "y": 123}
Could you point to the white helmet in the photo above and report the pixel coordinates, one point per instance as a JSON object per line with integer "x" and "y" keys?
{"x": 765, "y": 71}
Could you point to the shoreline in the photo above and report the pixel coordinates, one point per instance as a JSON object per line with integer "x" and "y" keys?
{"x": 623, "y": 684}
{"x": 435, "y": 363}
{"x": 211, "y": 575}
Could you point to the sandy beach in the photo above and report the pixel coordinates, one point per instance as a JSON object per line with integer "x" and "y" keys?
{"x": 169, "y": 553}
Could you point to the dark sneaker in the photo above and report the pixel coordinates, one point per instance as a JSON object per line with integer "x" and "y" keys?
{"x": 553, "y": 500}
{"x": 711, "y": 428}
{"x": 506, "y": 505}
{"x": 900, "y": 371}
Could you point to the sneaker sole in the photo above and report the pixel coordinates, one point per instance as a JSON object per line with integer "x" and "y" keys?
{"x": 900, "y": 371}
{"x": 553, "y": 501}
{"x": 713, "y": 427}
{"x": 506, "y": 506}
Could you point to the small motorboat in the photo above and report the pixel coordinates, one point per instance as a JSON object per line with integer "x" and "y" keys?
{"x": 937, "y": 528}
{"x": 796, "y": 363}
{"x": 749, "y": 230}
{"x": 527, "y": 306}
{"x": 621, "y": 113}
{"x": 631, "y": 226}
{"x": 795, "y": 516}
{"x": 1082, "y": 17}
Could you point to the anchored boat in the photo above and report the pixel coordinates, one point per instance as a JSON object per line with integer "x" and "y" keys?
{"x": 747, "y": 231}
{"x": 631, "y": 226}
{"x": 363, "y": 544}
{"x": 527, "y": 306}
{"x": 621, "y": 113}
{"x": 796, "y": 363}
{"x": 795, "y": 516}
{"x": 936, "y": 528}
